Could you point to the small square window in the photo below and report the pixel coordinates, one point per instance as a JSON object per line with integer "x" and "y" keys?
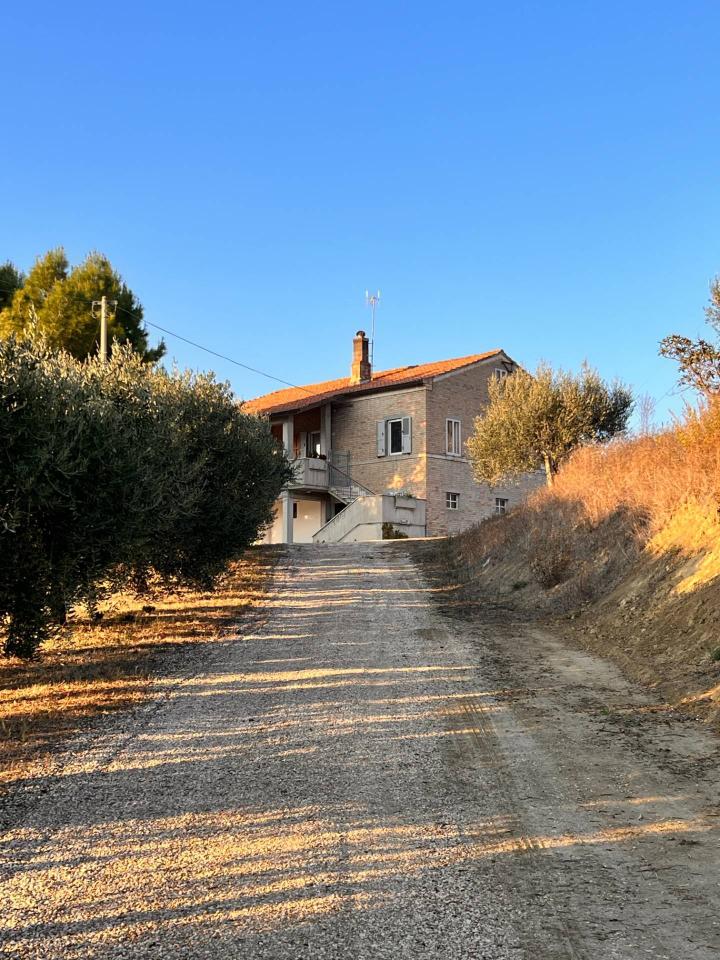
{"x": 500, "y": 373}
{"x": 452, "y": 500}
{"x": 501, "y": 505}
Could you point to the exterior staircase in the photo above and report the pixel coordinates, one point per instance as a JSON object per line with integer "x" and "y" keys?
{"x": 368, "y": 517}
{"x": 342, "y": 486}
{"x": 348, "y": 492}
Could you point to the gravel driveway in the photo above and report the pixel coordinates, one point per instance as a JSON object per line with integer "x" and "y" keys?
{"x": 360, "y": 777}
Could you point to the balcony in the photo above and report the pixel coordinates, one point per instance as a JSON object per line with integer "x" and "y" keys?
{"x": 310, "y": 472}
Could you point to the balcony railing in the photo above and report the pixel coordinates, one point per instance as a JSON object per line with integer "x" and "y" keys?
{"x": 310, "y": 472}
{"x": 317, "y": 473}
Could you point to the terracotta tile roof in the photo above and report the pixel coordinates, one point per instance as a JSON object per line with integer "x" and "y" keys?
{"x": 296, "y": 398}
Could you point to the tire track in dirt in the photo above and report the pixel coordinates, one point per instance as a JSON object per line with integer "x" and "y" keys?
{"x": 357, "y": 777}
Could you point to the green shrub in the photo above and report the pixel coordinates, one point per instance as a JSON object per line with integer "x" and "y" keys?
{"x": 109, "y": 472}
{"x": 390, "y": 532}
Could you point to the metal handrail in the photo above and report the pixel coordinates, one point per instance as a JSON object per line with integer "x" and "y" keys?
{"x": 333, "y": 467}
{"x": 338, "y": 517}
{"x": 353, "y": 483}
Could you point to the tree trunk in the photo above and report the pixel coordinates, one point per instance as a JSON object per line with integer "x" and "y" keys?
{"x": 549, "y": 472}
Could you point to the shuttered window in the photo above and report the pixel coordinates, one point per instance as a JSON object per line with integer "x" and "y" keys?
{"x": 394, "y": 436}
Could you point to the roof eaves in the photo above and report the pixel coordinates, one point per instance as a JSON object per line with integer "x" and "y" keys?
{"x": 397, "y": 378}
{"x": 492, "y": 356}
{"x": 356, "y": 390}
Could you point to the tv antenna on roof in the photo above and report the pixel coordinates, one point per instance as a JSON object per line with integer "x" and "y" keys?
{"x": 372, "y": 300}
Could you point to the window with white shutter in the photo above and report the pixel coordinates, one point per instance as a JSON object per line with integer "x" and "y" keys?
{"x": 381, "y": 438}
{"x": 406, "y": 435}
{"x": 395, "y": 436}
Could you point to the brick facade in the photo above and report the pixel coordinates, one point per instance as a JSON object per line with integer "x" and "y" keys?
{"x": 427, "y": 471}
{"x": 354, "y": 431}
{"x": 344, "y": 415}
{"x": 461, "y": 395}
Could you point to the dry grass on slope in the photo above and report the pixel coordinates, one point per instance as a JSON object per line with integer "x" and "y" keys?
{"x": 626, "y": 546}
{"x": 92, "y": 668}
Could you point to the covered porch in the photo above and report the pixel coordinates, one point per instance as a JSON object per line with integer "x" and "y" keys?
{"x": 321, "y": 486}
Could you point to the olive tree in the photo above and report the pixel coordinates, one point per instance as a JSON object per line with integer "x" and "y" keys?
{"x": 112, "y": 472}
{"x": 535, "y": 422}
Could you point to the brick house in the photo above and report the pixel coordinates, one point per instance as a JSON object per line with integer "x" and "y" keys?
{"x": 385, "y": 448}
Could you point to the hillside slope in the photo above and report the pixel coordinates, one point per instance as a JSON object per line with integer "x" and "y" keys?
{"x": 623, "y": 554}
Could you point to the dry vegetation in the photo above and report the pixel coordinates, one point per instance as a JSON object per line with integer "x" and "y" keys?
{"x": 626, "y": 548}
{"x": 93, "y": 667}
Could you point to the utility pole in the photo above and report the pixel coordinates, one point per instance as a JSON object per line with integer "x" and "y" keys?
{"x": 103, "y": 304}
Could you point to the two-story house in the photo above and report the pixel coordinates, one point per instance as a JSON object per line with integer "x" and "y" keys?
{"x": 384, "y": 452}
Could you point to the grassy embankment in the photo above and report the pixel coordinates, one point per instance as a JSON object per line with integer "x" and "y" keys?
{"x": 93, "y": 667}
{"x": 625, "y": 549}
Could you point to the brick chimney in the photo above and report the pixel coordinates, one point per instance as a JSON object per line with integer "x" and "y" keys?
{"x": 360, "y": 371}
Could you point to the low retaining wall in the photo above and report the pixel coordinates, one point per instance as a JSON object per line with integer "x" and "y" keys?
{"x": 363, "y": 519}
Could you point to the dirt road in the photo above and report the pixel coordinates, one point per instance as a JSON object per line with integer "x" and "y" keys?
{"x": 359, "y": 777}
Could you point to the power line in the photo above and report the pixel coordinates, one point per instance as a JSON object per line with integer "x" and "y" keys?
{"x": 192, "y": 343}
{"x": 214, "y": 353}
{"x": 674, "y": 390}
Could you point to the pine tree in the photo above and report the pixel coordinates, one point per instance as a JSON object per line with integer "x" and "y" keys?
{"x": 11, "y": 280}
{"x": 57, "y": 301}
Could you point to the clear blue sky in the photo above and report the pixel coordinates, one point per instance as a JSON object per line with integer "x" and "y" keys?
{"x": 538, "y": 176}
